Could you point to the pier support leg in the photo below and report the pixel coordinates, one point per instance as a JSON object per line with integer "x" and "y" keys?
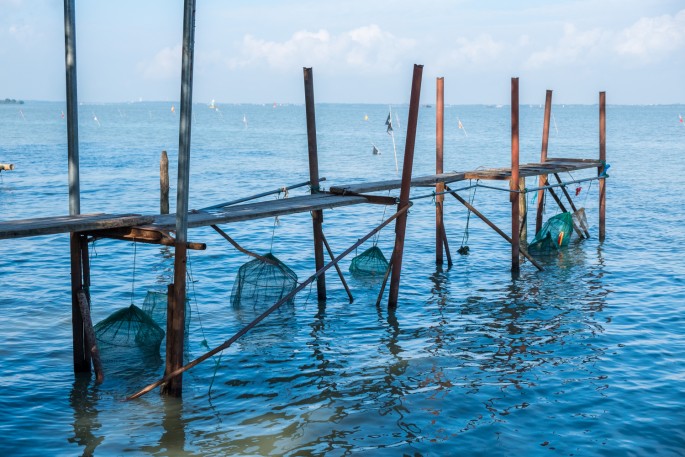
{"x": 602, "y": 158}
{"x": 523, "y": 213}
{"x": 514, "y": 196}
{"x": 82, "y": 359}
{"x": 543, "y": 159}
{"x": 439, "y": 187}
{"x": 401, "y": 224}
{"x": 317, "y": 216}
{"x": 164, "y": 183}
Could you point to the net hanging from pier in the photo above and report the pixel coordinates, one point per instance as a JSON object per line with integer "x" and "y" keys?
{"x": 370, "y": 263}
{"x": 155, "y": 306}
{"x": 129, "y": 328}
{"x": 262, "y": 282}
{"x": 554, "y": 234}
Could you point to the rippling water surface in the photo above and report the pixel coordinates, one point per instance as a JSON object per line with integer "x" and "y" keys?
{"x": 584, "y": 358}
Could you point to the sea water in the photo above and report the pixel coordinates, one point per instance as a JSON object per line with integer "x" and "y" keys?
{"x": 584, "y": 358}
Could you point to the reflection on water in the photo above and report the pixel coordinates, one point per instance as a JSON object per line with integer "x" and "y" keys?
{"x": 83, "y": 400}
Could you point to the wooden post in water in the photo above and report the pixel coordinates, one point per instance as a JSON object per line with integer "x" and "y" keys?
{"x": 603, "y": 159}
{"x": 514, "y": 181}
{"x": 164, "y": 184}
{"x": 176, "y": 307}
{"x": 543, "y": 159}
{"x": 317, "y": 216}
{"x": 401, "y": 223}
{"x": 523, "y": 213}
{"x": 440, "y": 186}
{"x": 81, "y": 354}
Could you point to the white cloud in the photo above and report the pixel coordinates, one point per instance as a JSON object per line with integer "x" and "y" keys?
{"x": 653, "y": 37}
{"x": 573, "y": 47}
{"x": 478, "y": 50}
{"x": 367, "y": 48}
{"x": 164, "y": 65}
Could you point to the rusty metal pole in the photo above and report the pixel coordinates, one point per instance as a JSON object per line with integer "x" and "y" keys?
{"x": 317, "y": 216}
{"x": 603, "y": 159}
{"x": 514, "y": 180}
{"x": 176, "y": 307}
{"x": 439, "y": 187}
{"x": 164, "y": 183}
{"x": 543, "y": 159}
{"x": 401, "y": 224}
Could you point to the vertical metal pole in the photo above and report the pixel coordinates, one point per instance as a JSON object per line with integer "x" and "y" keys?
{"x": 174, "y": 356}
{"x": 317, "y": 216}
{"x": 543, "y": 159}
{"x": 81, "y": 355}
{"x": 514, "y": 181}
{"x": 401, "y": 223}
{"x": 440, "y": 186}
{"x": 164, "y": 183}
{"x": 603, "y": 159}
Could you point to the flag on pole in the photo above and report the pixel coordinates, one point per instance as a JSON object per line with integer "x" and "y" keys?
{"x": 680, "y": 116}
{"x": 388, "y": 122}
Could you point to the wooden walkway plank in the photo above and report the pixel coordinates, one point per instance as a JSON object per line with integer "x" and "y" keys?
{"x": 65, "y": 224}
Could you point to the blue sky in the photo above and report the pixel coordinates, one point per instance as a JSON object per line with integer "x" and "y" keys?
{"x": 360, "y": 50}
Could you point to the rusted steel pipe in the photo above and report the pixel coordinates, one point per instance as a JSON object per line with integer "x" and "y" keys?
{"x": 543, "y": 159}
{"x": 603, "y": 158}
{"x": 439, "y": 187}
{"x": 401, "y": 224}
{"x": 317, "y": 216}
{"x": 164, "y": 183}
{"x": 514, "y": 180}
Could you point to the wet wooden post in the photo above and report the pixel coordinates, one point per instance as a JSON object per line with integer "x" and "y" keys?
{"x": 602, "y": 158}
{"x": 523, "y": 213}
{"x": 164, "y": 184}
{"x": 81, "y": 354}
{"x": 317, "y": 216}
{"x": 514, "y": 181}
{"x": 176, "y": 307}
{"x": 439, "y": 187}
{"x": 401, "y": 223}
{"x": 543, "y": 158}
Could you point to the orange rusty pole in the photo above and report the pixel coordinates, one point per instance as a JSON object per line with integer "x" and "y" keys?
{"x": 514, "y": 180}
{"x": 543, "y": 159}
{"x": 439, "y": 187}
{"x": 602, "y": 158}
{"x": 317, "y": 216}
{"x": 401, "y": 224}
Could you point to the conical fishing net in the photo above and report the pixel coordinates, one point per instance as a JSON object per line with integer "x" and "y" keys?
{"x": 261, "y": 282}
{"x": 371, "y": 262}
{"x": 554, "y": 234}
{"x": 129, "y": 328}
{"x": 155, "y": 306}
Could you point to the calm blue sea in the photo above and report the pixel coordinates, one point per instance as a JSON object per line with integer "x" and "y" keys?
{"x": 586, "y": 358}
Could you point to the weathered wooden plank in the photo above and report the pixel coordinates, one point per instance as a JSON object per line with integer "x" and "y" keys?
{"x": 419, "y": 181}
{"x": 65, "y": 224}
{"x": 259, "y": 210}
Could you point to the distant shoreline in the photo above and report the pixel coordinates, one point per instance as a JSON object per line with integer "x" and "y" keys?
{"x": 11, "y": 101}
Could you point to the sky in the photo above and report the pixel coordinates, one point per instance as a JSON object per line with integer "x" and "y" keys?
{"x": 361, "y": 51}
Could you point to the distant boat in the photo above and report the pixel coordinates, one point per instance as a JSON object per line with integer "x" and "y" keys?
{"x": 375, "y": 150}
{"x": 212, "y": 105}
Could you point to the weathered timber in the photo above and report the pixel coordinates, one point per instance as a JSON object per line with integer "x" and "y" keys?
{"x": 143, "y": 235}
{"x": 375, "y": 186}
{"x": 543, "y": 159}
{"x": 65, "y": 224}
{"x": 89, "y": 334}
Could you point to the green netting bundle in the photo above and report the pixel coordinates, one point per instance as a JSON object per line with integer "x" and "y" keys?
{"x": 155, "y": 306}
{"x": 129, "y": 328}
{"x": 261, "y": 282}
{"x": 371, "y": 262}
{"x": 554, "y": 234}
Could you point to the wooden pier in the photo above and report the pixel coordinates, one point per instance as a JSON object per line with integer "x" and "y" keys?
{"x": 171, "y": 229}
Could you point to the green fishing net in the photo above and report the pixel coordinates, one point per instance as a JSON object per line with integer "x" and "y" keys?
{"x": 129, "y": 328}
{"x": 371, "y": 262}
{"x": 554, "y": 234}
{"x": 155, "y": 306}
{"x": 262, "y": 282}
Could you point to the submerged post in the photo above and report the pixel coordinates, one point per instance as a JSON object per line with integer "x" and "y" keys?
{"x": 164, "y": 183}
{"x": 603, "y": 159}
{"x": 543, "y": 159}
{"x": 440, "y": 186}
{"x": 401, "y": 224}
{"x": 81, "y": 354}
{"x": 317, "y": 216}
{"x": 514, "y": 181}
{"x": 176, "y": 307}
